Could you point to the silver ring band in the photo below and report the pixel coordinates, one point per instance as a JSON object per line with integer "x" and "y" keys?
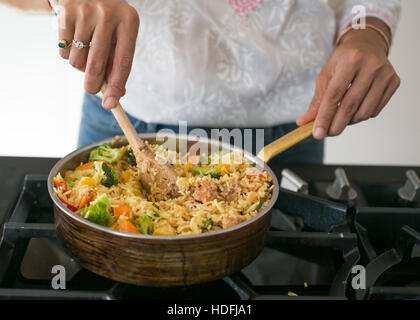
{"x": 80, "y": 45}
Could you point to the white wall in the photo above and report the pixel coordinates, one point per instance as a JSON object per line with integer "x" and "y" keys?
{"x": 40, "y": 97}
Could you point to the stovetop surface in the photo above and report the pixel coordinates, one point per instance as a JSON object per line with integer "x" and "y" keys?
{"x": 308, "y": 255}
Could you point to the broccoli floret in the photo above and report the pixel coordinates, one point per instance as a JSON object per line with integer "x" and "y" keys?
{"x": 70, "y": 184}
{"x": 215, "y": 174}
{"x": 145, "y": 225}
{"x": 129, "y": 154}
{"x": 110, "y": 177}
{"x": 207, "y": 224}
{"x": 59, "y": 177}
{"x": 206, "y": 172}
{"x": 105, "y": 153}
{"x": 98, "y": 212}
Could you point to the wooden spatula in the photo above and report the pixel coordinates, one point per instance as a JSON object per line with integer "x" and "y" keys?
{"x": 286, "y": 142}
{"x": 158, "y": 179}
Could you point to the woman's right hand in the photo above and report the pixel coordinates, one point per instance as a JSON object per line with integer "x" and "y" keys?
{"x": 112, "y": 27}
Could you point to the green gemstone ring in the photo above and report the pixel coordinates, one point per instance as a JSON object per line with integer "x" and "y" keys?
{"x": 63, "y": 44}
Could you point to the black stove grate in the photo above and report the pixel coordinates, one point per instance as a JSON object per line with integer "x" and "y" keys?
{"x": 29, "y": 227}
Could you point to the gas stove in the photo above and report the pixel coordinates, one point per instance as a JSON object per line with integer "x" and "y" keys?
{"x": 349, "y": 232}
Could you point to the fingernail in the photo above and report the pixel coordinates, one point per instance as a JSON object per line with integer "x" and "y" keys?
{"x": 319, "y": 133}
{"x": 110, "y": 102}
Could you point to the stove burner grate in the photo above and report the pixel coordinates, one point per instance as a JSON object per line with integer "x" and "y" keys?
{"x": 28, "y": 235}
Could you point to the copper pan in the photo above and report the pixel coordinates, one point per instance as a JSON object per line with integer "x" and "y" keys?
{"x": 160, "y": 261}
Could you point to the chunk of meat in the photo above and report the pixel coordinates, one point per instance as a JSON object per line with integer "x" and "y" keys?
{"x": 228, "y": 222}
{"x": 231, "y": 194}
{"x": 207, "y": 191}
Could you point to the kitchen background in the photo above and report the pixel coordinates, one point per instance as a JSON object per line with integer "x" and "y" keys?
{"x": 40, "y": 97}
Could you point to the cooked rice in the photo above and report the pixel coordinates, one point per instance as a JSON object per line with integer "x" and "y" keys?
{"x": 240, "y": 193}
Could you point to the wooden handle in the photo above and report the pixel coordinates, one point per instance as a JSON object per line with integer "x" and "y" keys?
{"x": 286, "y": 142}
{"x": 127, "y": 128}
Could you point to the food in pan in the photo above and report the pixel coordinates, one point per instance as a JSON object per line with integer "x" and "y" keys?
{"x": 216, "y": 192}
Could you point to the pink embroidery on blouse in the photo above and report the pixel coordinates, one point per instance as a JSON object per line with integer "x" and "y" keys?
{"x": 244, "y": 6}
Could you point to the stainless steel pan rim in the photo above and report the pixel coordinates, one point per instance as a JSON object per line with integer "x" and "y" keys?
{"x": 54, "y": 171}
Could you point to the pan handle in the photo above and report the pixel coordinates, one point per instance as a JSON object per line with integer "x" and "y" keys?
{"x": 286, "y": 142}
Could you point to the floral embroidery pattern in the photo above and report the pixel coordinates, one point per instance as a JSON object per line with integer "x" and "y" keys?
{"x": 244, "y": 6}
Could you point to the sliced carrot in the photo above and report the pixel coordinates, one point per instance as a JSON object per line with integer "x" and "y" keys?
{"x": 121, "y": 210}
{"x": 86, "y": 198}
{"x": 126, "y": 226}
{"x": 86, "y": 166}
{"x": 123, "y": 150}
{"x": 56, "y": 182}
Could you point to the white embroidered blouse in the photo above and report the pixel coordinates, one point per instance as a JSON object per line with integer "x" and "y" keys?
{"x": 215, "y": 63}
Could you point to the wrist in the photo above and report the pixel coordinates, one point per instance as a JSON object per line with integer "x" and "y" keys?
{"x": 376, "y": 32}
{"x": 367, "y": 35}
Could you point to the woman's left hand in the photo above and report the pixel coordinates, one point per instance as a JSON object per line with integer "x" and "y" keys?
{"x": 355, "y": 84}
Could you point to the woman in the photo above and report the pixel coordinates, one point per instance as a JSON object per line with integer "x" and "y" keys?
{"x": 230, "y": 63}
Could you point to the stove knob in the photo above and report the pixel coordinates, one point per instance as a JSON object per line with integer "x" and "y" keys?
{"x": 290, "y": 181}
{"x": 411, "y": 190}
{"x": 341, "y": 190}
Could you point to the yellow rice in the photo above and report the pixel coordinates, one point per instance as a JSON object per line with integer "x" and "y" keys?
{"x": 249, "y": 188}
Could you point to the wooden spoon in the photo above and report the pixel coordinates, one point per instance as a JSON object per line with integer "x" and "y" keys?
{"x": 286, "y": 142}
{"x": 157, "y": 178}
